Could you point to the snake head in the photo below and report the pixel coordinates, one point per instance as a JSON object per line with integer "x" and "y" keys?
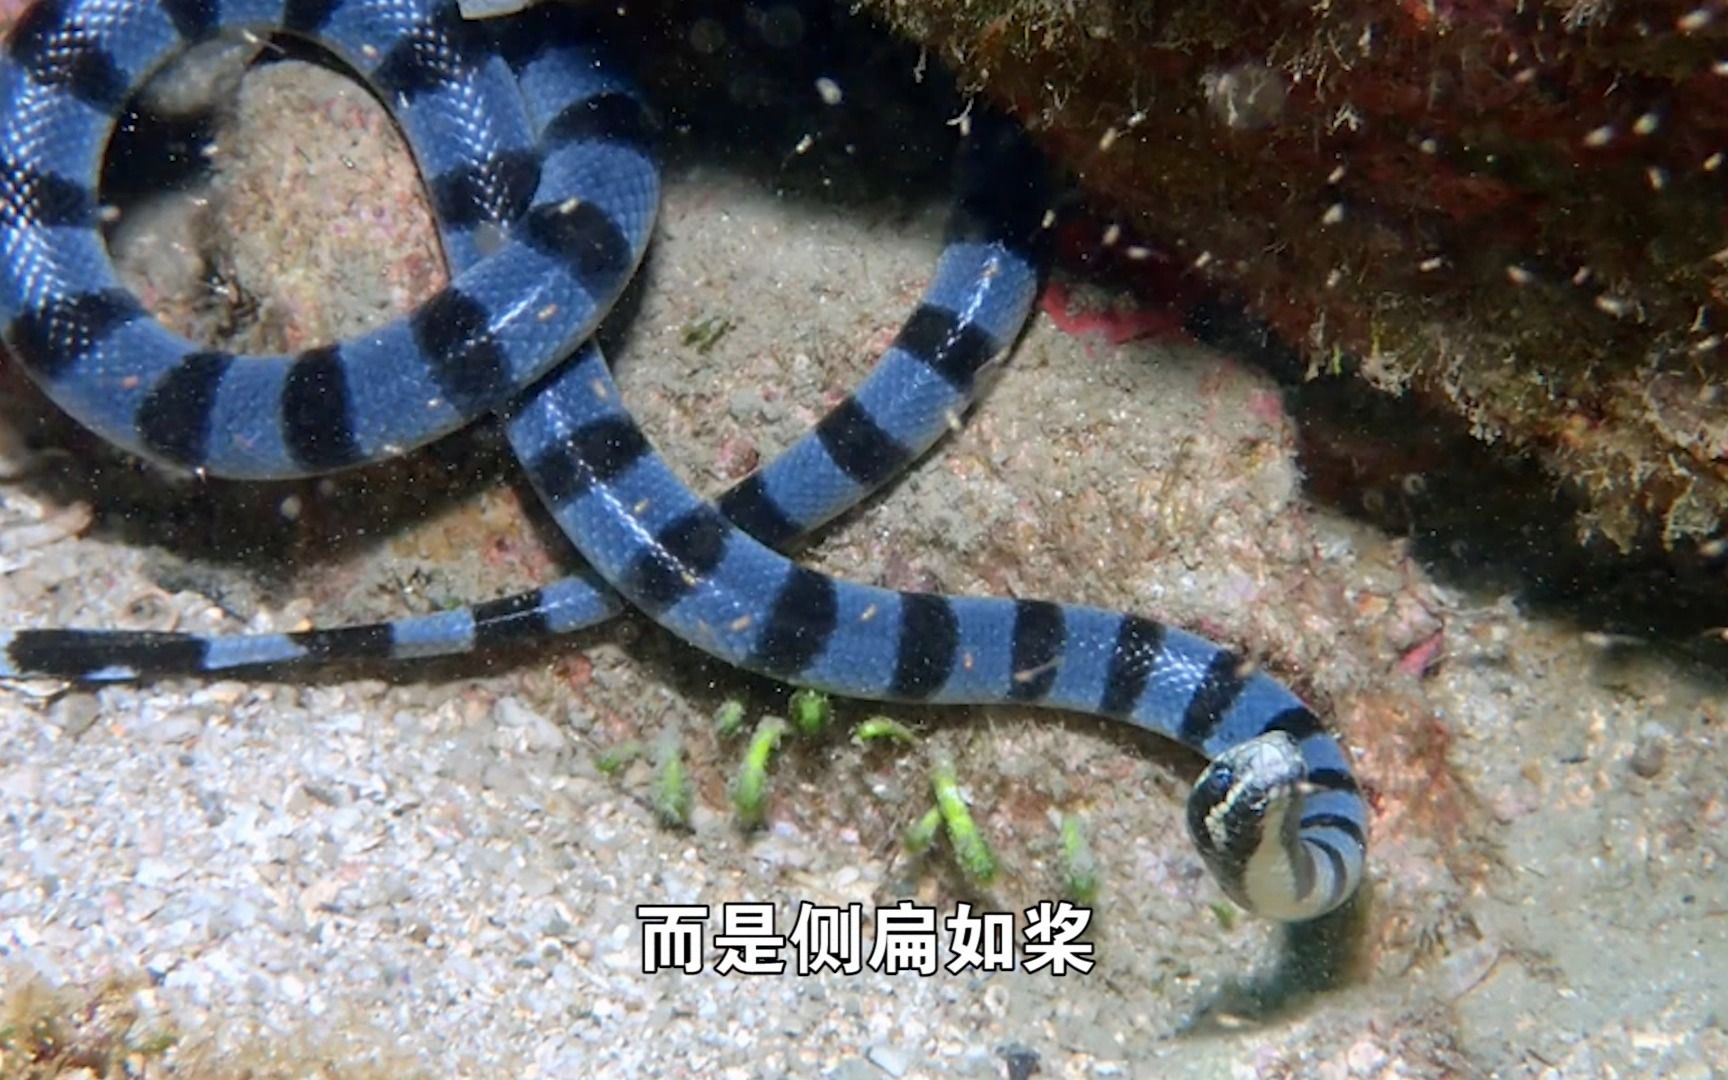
{"x": 1244, "y": 817}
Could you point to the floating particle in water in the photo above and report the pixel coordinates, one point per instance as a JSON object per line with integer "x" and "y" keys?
{"x": 1247, "y": 96}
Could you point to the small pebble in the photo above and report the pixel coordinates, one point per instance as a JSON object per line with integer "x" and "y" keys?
{"x": 1650, "y": 753}
{"x": 75, "y": 713}
{"x": 1365, "y": 1058}
{"x": 890, "y": 1059}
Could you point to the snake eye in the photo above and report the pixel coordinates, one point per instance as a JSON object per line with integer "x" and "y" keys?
{"x": 1219, "y": 779}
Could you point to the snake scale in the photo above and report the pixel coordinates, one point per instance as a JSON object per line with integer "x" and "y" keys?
{"x": 537, "y": 158}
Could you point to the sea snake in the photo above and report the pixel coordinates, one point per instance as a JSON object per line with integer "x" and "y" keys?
{"x": 527, "y": 134}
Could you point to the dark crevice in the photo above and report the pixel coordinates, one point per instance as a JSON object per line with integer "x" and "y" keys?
{"x": 1481, "y": 518}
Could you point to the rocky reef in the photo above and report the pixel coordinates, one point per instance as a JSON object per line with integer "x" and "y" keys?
{"x": 1511, "y": 212}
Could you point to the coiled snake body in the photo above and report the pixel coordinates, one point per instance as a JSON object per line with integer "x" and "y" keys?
{"x": 525, "y": 129}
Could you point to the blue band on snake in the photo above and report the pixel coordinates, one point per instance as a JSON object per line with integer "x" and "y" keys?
{"x": 536, "y": 154}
